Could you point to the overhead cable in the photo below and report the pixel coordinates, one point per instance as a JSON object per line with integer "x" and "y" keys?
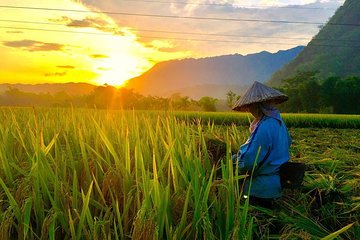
{"x": 181, "y": 39}
{"x": 182, "y": 17}
{"x": 114, "y": 31}
{"x": 297, "y": 7}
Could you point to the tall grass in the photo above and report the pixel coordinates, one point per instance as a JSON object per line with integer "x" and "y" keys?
{"x": 88, "y": 174}
{"x": 97, "y": 174}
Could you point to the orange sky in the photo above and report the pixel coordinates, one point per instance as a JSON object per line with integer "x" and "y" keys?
{"x": 41, "y": 46}
{"x": 107, "y": 53}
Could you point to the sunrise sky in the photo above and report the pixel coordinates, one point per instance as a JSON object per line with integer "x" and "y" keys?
{"x": 99, "y": 42}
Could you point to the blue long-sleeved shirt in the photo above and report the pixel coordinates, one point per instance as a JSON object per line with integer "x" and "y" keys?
{"x": 273, "y": 139}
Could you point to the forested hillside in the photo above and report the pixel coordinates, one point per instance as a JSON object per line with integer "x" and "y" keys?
{"x": 311, "y": 94}
{"x": 334, "y": 51}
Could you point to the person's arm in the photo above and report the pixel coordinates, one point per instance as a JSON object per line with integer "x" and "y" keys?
{"x": 256, "y": 153}
{"x": 259, "y": 141}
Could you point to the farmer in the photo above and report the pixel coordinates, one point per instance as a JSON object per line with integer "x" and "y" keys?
{"x": 266, "y": 148}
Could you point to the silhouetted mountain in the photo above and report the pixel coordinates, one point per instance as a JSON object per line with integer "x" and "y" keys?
{"x": 71, "y": 89}
{"x": 221, "y": 73}
{"x": 334, "y": 51}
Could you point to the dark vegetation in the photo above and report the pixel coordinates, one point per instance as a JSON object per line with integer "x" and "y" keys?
{"x": 311, "y": 94}
{"x": 307, "y": 92}
{"x": 106, "y": 97}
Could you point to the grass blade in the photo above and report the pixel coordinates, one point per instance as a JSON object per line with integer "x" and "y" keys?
{"x": 338, "y": 232}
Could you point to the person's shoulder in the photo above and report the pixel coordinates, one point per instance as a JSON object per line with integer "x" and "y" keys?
{"x": 269, "y": 123}
{"x": 270, "y": 120}
{"x": 265, "y": 128}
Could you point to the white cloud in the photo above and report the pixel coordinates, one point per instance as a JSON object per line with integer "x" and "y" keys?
{"x": 316, "y": 11}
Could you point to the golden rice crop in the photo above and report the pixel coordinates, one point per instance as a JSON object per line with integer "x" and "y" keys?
{"x": 98, "y": 174}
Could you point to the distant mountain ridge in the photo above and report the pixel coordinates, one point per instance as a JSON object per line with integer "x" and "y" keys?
{"x": 195, "y": 78}
{"x": 334, "y": 51}
{"x": 71, "y": 88}
{"x": 222, "y": 72}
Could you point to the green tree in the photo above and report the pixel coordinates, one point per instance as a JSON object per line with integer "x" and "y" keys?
{"x": 328, "y": 93}
{"x": 231, "y": 98}
{"x": 310, "y": 96}
{"x": 208, "y": 104}
{"x": 102, "y": 97}
{"x": 303, "y": 91}
{"x": 347, "y": 96}
{"x": 179, "y": 102}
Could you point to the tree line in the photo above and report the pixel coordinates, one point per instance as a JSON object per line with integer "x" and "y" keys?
{"x": 310, "y": 94}
{"x": 307, "y": 94}
{"x": 107, "y": 97}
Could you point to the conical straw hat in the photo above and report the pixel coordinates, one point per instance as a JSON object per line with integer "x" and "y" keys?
{"x": 258, "y": 92}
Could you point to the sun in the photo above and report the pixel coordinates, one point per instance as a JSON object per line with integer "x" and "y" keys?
{"x": 113, "y": 78}
{"x": 117, "y": 68}
{"x": 86, "y": 46}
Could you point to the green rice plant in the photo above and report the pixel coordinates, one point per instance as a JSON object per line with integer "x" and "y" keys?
{"x": 103, "y": 174}
{"x": 299, "y": 120}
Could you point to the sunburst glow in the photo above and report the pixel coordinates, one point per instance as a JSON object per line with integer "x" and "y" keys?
{"x": 62, "y": 46}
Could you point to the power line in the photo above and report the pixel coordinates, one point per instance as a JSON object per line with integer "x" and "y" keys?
{"x": 236, "y": 5}
{"x": 140, "y": 36}
{"x": 243, "y": 36}
{"x": 218, "y": 35}
{"x": 182, "y": 17}
{"x": 53, "y": 30}
{"x": 181, "y": 39}
{"x": 158, "y": 31}
{"x": 31, "y": 22}
{"x": 216, "y": 40}
{"x": 176, "y": 32}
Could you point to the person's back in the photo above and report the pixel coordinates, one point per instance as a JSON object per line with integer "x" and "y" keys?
{"x": 273, "y": 138}
{"x": 268, "y": 145}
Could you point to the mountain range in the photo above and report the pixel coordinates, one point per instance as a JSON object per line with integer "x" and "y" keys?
{"x": 195, "y": 78}
{"x": 211, "y": 76}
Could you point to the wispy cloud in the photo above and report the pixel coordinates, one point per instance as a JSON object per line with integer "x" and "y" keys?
{"x": 99, "y": 56}
{"x": 34, "y": 46}
{"x": 103, "y": 68}
{"x": 88, "y": 22}
{"x": 96, "y": 22}
{"x": 66, "y": 67}
{"x": 55, "y": 74}
{"x": 15, "y": 32}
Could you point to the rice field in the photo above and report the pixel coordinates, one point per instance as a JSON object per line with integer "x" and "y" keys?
{"x": 99, "y": 174}
{"x": 291, "y": 119}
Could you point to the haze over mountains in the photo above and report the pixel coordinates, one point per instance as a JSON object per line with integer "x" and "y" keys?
{"x": 71, "y": 89}
{"x": 195, "y": 78}
{"x": 334, "y": 51}
{"x": 212, "y": 76}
